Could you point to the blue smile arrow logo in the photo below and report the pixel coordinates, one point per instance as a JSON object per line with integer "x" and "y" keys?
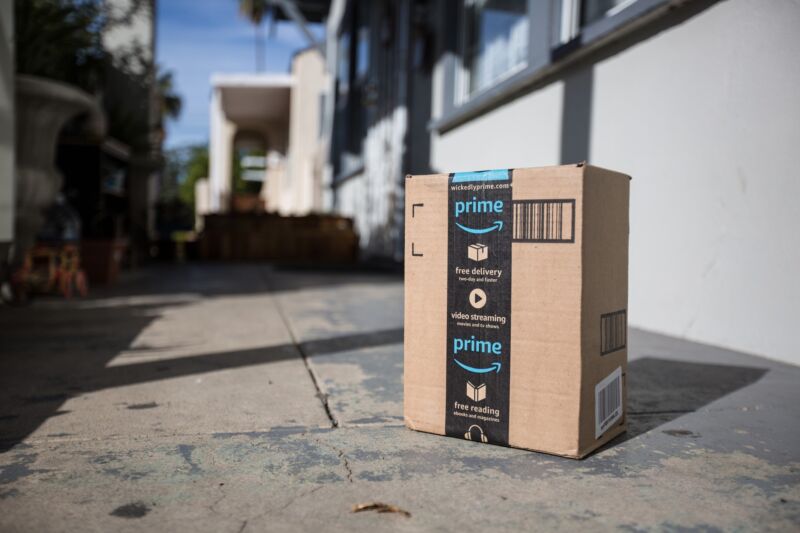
{"x": 495, "y": 367}
{"x": 498, "y": 225}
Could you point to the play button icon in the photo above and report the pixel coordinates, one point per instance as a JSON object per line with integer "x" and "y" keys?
{"x": 477, "y": 298}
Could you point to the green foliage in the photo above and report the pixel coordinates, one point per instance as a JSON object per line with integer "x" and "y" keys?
{"x": 171, "y": 173}
{"x": 170, "y": 102}
{"x": 183, "y": 167}
{"x": 196, "y": 167}
{"x": 61, "y": 40}
{"x": 241, "y": 185}
{"x": 126, "y": 101}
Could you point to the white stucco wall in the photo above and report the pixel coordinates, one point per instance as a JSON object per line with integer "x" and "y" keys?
{"x": 303, "y": 179}
{"x": 221, "y": 132}
{"x": 705, "y": 116}
{"x": 137, "y": 32}
{"x": 373, "y": 198}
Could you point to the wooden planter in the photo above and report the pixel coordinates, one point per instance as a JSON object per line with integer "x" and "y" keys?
{"x": 102, "y": 258}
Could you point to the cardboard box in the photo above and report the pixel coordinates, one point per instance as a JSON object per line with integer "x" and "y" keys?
{"x": 526, "y": 346}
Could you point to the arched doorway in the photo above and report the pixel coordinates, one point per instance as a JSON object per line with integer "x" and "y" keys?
{"x": 248, "y": 171}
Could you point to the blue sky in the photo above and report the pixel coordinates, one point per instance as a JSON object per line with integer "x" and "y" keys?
{"x": 199, "y": 37}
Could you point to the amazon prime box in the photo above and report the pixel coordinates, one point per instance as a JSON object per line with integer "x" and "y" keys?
{"x": 516, "y": 289}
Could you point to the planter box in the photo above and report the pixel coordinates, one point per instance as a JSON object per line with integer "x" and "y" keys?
{"x": 269, "y": 237}
{"x": 102, "y": 259}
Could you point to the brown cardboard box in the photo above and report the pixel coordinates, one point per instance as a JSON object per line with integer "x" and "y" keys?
{"x": 524, "y": 344}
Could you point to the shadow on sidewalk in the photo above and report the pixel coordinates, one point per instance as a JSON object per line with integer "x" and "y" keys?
{"x": 65, "y": 353}
{"x": 211, "y": 279}
{"x": 661, "y": 390}
{"x": 50, "y": 354}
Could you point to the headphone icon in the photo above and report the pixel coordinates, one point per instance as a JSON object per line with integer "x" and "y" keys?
{"x": 468, "y": 434}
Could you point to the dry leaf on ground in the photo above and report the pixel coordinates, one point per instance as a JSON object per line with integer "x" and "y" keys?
{"x": 380, "y": 507}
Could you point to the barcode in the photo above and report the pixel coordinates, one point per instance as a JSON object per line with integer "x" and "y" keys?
{"x": 608, "y": 401}
{"x": 613, "y": 331}
{"x": 544, "y": 221}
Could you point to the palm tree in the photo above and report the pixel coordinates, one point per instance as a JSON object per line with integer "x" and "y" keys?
{"x": 169, "y": 102}
{"x": 255, "y": 11}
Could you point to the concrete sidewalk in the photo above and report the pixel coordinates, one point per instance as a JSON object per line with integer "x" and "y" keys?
{"x": 248, "y": 398}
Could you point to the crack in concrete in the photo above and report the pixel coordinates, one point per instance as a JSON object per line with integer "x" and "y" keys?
{"x": 343, "y": 457}
{"x": 323, "y": 398}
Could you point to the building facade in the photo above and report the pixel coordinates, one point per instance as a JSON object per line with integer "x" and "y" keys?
{"x": 696, "y": 99}
{"x": 269, "y": 125}
{"x": 381, "y": 54}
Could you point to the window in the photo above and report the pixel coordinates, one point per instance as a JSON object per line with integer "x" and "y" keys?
{"x": 343, "y": 67}
{"x": 353, "y": 73}
{"x": 503, "y": 46}
{"x": 593, "y": 10}
{"x": 577, "y": 15}
{"x": 362, "y": 48}
{"x": 495, "y": 41}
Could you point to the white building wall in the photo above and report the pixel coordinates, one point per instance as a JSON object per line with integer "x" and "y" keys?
{"x": 201, "y": 203}
{"x": 705, "y": 116}
{"x": 372, "y": 198}
{"x": 525, "y": 132}
{"x": 138, "y": 33}
{"x": 219, "y": 155}
{"x": 303, "y": 178}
